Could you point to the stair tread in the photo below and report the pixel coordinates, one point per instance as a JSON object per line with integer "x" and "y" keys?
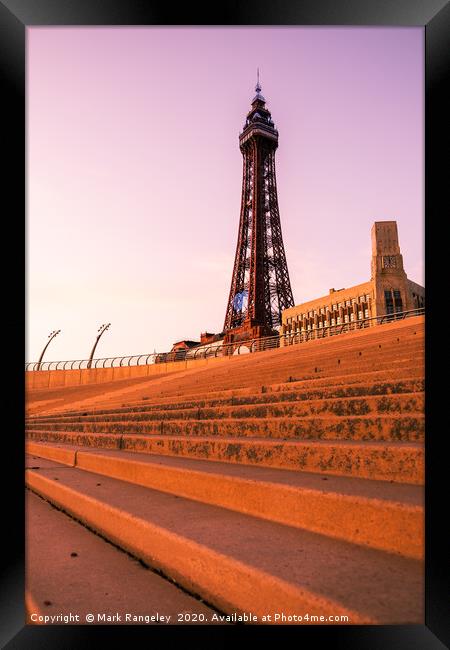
{"x": 350, "y": 576}
{"x": 269, "y": 405}
{"x": 50, "y": 569}
{"x": 268, "y": 398}
{"x": 400, "y": 493}
{"x": 117, "y": 395}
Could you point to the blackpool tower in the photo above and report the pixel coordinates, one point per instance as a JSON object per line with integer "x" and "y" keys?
{"x": 260, "y": 285}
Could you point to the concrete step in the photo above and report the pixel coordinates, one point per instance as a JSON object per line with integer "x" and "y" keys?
{"x": 412, "y": 404}
{"x": 271, "y": 366}
{"x": 342, "y": 363}
{"x": 367, "y": 344}
{"x": 389, "y": 427}
{"x": 237, "y": 562}
{"x": 286, "y": 374}
{"x": 290, "y": 393}
{"x": 372, "y": 513}
{"x": 291, "y": 381}
{"x": 68, "y": 574}
{"x": 170, "y": 392}
{"x": 400, "y": 462}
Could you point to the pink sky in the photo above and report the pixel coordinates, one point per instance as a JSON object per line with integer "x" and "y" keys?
{"x": 134, "y": 170}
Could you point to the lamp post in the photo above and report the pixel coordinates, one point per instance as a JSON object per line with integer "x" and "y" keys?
{"x": 100, "y": 331}
{"x": 51, "y": 336}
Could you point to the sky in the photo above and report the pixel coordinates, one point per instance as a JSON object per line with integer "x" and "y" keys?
{"x": 134, "y": 171}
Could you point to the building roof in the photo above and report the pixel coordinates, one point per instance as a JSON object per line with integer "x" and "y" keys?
{"x": 335, "y": 296}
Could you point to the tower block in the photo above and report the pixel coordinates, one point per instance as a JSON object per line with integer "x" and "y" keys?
{"x": 260, "y": 286}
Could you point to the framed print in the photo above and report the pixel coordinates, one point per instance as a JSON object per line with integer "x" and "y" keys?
{"x": 223, "y": 412}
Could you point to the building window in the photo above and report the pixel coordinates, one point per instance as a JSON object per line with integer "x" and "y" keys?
{"x": 389, "y": 261}
{"x": 346, "y": 318}
{"x": 348, "y": 303}
{"x": 352, "y": 317}
{"x": 389, "y": 301}
{"x": 366, "y": 313}
{"x": 338, "y": 320}
{"x": 398, "y": 303}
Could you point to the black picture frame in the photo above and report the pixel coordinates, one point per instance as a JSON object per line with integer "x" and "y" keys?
{"x": 15, "y": 17}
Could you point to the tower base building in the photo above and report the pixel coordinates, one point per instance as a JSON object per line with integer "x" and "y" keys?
{"x": 388, "y": 292}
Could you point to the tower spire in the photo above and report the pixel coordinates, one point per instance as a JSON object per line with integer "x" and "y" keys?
{"x": 260, "y": 286}
{"x": 258, "y": 96}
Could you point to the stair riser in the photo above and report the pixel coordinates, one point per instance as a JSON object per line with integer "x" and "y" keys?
{"x": 220, "y": 580}
{"x": 377, "y": 428}
{"x": 342, "y": 407}
{"x": 398, "y": 463}
{"x": 377, "y": 383}
{"x": 370, "y": 522}
{"x": 341, "y": 375}
{"x": 338, "y": 381}
{"x": 97, "y": 440}
{"x": 335, "y": 367}
{"x": 361, "y": 391}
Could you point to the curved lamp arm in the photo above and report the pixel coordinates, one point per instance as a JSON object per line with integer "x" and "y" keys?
{"x": 102, "y": 329}
{"x": 51, "y": 336}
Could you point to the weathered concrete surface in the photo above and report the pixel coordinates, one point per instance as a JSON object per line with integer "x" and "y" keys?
{"x": 401, "y": 462}
{"x": 386, "y": 428}
{"x": 69, "y": 570}
{"x": 205, "y": 471}
{"x": 377, "y": 514}
{"x": 246, "y": 397}
{"x": 67, "y": 378}
{"x": 194, "y": 390}
{"x": 238, "y": 562}
{"x": 335, "y": 355}
{"x": 412, "y": 403}
{"x": 63, "y": 454}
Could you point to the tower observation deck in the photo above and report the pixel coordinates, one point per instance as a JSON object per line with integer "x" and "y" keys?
{"x": 260, "y": 286}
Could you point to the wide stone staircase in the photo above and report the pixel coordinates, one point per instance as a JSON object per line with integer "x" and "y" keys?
{"x": 287, "y": 482}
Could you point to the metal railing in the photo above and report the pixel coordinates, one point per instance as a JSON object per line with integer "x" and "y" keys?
{"x": 218, "y": 349}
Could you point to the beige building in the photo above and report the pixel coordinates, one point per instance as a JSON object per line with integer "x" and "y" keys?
{"x": 387, "y": 292}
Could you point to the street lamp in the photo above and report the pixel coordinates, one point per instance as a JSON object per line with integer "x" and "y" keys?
{"x": 101, "y": 330}
{"x": 51, "y": 336}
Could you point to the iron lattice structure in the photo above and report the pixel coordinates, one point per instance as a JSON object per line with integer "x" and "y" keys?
{"x": 260, "y": 286}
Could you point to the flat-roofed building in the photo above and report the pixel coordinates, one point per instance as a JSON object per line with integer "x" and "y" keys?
{"x": 389, "y": 291}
